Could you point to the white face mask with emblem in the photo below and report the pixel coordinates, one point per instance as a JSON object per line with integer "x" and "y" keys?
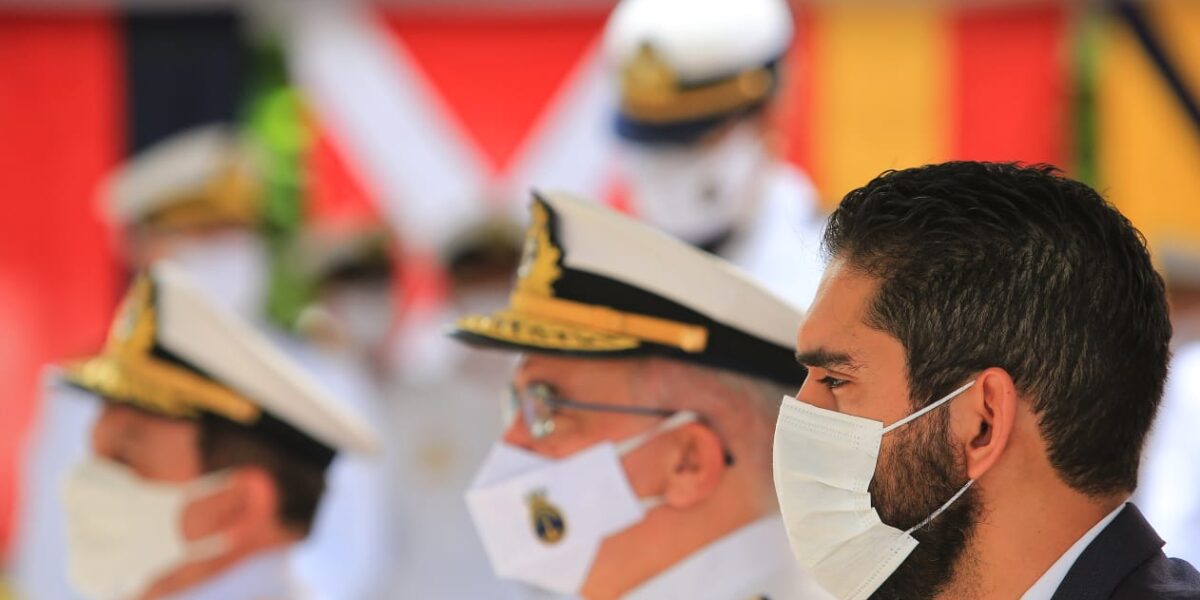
{"x": 824, "y": 462}
{"x": 124, "y": 532}
{"x": 543, "y": 520}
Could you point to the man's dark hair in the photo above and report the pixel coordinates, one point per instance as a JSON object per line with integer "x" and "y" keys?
{"x": 1005, "y": 265}
{"x": 299, "y": 480}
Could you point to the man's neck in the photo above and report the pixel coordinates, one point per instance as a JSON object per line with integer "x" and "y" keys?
{"x": 1020, "y": 536}
{"x": 664, "y": 538}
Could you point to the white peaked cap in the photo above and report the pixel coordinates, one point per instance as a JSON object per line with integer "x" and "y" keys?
{"x": 607, "y": 243}
{"x": 594, "y": 282}
{"x": 700, "y": 39}
{"x": 176, "y": 168}
{"x": 173, "y": 352}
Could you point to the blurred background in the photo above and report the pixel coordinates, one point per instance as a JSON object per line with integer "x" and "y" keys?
{"x": 428, "y": 122}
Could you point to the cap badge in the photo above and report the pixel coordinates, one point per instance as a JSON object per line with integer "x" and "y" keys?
{"x": 545, "y": 518}
{"x": 132, "y": 332}
{"x": 539, "y": 260}
{"x": 648, "y": 80}
{"x": 653, "y": 92}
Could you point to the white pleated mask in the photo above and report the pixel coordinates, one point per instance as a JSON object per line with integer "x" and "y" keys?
{"x": 543, "y": 520}
{"x": 824, "y": 462}
{"x": 125, "y": 532}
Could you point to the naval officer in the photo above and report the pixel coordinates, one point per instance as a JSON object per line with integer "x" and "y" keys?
{"x": 636, "y": 463}
{"x": 193, "y": 197}
{"x": 207, "y": 462}
{"x": 697, "y": 83}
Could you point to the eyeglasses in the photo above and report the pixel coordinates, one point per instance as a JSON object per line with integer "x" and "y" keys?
{"x": 539, "y": 405}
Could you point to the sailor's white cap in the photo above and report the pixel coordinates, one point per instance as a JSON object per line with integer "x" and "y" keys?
{"x": 203, "y": 175}
{"x": 172, "y": 352}
{"x": 693, "y": 62}
{"x": 593, "y": 282}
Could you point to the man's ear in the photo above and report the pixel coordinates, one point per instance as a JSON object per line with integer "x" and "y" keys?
{"x": 695, "y": 465}
{"x": 983, "y": 420}
{"x": 243, "y": 503}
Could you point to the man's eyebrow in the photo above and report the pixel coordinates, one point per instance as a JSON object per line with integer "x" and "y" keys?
{"x": 824, "y": 359}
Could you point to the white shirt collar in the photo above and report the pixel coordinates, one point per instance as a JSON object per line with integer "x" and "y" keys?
{"x": 725, "y": 567}
{"x": 1044, "y": 588}
{"x": 264, "y": 576}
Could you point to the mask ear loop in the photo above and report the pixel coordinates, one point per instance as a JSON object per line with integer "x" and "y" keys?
{"x": 916, "y": 415}
{"x": 920, "y": 413}
{"x": 943, "y": 508}
{"x": 675, "y": 421}
{"x": 215, "y": 544}
{"x": 630, "y": 444}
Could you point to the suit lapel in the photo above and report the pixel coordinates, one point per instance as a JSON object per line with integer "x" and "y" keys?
{"x": 1120, "y": 548}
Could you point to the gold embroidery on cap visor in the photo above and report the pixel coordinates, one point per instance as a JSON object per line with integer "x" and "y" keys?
{"x": 533, "y": 332}
{"x": 159, "y": 388}
{"x": 557, "y": 324}
{"x": 539, "y": 258}
{"x": 651, "y": 91}
{"x": 536, "y": 319}
{"x": 230, "y": 198}
{"x": 127, "y": 371}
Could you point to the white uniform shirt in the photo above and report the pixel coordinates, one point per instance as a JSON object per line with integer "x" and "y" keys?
{"x": 439, "y": 432}
{"x": 752, "y": 563}
{"x": 781, "y": 245}
{"x": 348, "y": 554}
{"x": 55, "y": 444}
{"x": 265, "y": 576}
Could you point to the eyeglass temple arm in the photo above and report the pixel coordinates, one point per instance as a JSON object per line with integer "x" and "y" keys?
{"x": 633, "y": 410}
{"x": 612, "y": 408}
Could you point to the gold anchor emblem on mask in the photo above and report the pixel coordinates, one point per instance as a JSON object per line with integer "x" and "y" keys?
{"x": 545, "y": 518}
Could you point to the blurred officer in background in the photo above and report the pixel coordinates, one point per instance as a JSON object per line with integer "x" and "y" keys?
{"x": 352, "y": 271}
{"x": 637, "y": 459}
{"x": 1169, "y": 491}
{"x": 697, "y": 81}
{"x": 194, "y": 198}
{"x": 437, "y": 443}
{"x": 349, "y": 266}
{"x": 208, "y": 458}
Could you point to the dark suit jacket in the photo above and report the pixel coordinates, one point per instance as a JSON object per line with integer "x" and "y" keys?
{"x": 1126, "y": 562}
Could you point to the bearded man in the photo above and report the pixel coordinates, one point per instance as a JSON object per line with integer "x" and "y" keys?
{"x": 986, "y": 353}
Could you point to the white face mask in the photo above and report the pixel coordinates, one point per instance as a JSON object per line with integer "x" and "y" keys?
{"x": 542, "y": 520}
{"x": 231, "y": 268}
{"x": 124, "y": 533}
{"x": 364, "y": 312}
{"x": 697, "y": 193}
{"x": 824, "y": 461}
